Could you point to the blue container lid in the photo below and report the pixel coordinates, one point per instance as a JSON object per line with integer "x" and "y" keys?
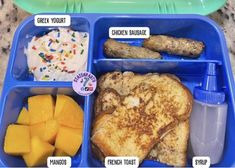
{"x": 208, "y": 92}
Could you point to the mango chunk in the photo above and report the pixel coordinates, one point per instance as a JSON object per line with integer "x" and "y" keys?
{"x": 60, "y": 100}
{"x": 69, "y": 140}
{"x": 23, "y": 117}
{"x": 51, "y": 129}
{"x": 41, "y": 108}
{"x": 71, "y": 114}
{"x": 37, "y": 130}
{"x": 39, "y": 153}
{"x": 17, "y": 140}
{"x": 59, "y": 152}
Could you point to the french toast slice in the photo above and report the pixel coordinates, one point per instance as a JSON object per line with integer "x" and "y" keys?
{"x": 148, "y": 112}
{"x": 133, "y": 127}
{"x": 124, "y": 83}
{"x": 171, "y": 150}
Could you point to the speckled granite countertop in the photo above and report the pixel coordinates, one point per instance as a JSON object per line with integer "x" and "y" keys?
{"x": 10, "y": 17}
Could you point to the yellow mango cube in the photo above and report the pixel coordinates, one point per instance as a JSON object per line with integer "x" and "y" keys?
{"x": 17, "y": 140}
{"x": 71, "y": 114}
{"x": 59, "y": 152}
{"x": 51, "y": 129}
{"x": 60, "y": 100}
{"x": 69, "y": 140}
{"x": 23, "y": 117}
{"x": 41, "y": 108}
{"x": 37, "y": 130}
{"x": 39, "y": 153}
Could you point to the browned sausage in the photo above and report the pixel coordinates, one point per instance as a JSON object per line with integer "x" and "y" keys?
{"x": 172, "y": 45}
{"x": 116, "y": 49}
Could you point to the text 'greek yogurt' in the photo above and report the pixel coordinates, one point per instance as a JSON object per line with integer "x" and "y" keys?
{"x": 52, "y": 20}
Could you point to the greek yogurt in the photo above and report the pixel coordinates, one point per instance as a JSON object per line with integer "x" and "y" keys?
{"x": 58, "y": 55}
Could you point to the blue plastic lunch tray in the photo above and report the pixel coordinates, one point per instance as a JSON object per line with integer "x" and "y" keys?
{"x": 19, "y": 84}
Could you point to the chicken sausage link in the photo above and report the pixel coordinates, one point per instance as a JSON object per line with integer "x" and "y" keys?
{"x": 116, "y": 49}
{"x": 172, "y": 45}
